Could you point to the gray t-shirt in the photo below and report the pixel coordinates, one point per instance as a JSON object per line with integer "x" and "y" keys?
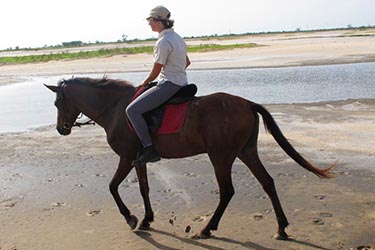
{"x": 171, "y": 51}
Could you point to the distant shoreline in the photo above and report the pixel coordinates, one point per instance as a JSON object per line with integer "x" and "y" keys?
{"x": 273, "y": 50}
{"x": 80, "y": 45}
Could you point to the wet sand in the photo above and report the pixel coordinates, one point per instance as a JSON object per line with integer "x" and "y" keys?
{"x": 54, "y": 189}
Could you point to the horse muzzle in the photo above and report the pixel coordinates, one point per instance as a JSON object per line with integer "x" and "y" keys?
{"x": 64, "y": 129}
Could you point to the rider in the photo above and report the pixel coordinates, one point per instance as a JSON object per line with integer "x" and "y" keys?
{"x": 169, "y": 68}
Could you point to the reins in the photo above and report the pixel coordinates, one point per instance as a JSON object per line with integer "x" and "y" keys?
{"x": 79, "y": 124}
{"x": 92, "y": 121}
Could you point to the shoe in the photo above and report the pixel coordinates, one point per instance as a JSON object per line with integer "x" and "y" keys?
{"x": 149, "y": 155}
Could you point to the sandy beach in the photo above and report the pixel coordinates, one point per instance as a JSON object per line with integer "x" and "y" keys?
{"x": 54, "y": 189}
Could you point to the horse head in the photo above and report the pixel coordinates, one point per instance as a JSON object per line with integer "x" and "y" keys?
{"x": 67, "y": 112}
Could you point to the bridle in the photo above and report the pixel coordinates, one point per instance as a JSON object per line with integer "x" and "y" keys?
{"x": 67, "y": 125}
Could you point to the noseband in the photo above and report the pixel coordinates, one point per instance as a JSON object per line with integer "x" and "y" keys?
{"x": 60, "y": 97}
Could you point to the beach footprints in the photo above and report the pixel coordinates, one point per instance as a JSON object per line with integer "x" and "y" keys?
{"x": 95, "y": 212}
{"x": 10, "y": 203}
{"x": 192, "y": 175}
{"x": 201, "y": 218}
{"x": 58, "y": 204}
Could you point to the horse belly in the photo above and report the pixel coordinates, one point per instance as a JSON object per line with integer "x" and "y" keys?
{"x": 187, "y": 142}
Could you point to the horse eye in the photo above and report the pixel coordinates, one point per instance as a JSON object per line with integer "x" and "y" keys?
{"x": 57, "y": 104}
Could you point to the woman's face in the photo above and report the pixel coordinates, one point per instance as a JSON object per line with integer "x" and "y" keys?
{"x": 156, "y": 26}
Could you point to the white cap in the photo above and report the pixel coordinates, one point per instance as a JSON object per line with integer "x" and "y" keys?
{"x": 160, "y": 12}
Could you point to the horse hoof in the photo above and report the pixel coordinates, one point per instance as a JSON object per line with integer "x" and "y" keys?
{"x": 132, "y": 222}
{"x": 145, "y": 225}
{"x": 281, "y": 236}
{"x": 203, "y": 235}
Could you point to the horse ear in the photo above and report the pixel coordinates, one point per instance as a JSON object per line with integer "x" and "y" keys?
{"x": 53, "y": 88}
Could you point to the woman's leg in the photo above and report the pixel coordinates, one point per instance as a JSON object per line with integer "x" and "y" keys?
{"x": 147, "y": 101}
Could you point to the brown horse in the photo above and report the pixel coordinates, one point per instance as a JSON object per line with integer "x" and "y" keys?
{"x": 222, "y": 125}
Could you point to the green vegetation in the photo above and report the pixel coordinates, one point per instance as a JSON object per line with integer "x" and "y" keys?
{"x": 54, "y": 52}
{"x": 109, "y": 53}
{"x": 73, "y": 55}
{"x": 72, "y": 44}
{"x": 216, "y": 47}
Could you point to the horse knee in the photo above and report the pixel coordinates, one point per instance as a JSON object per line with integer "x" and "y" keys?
{"x": 144, "y": 191}
{"x": 269, "y": 186}
{"x": 113, "y": 188}
{"x": 231, "y": 192}
{"x": 227, "y": 194}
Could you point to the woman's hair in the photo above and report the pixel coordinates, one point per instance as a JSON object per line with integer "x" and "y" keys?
{"x": 167, "y": 23}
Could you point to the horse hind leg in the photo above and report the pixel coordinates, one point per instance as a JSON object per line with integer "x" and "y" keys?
{"x": 250, "y": 157}
{"x": 223, "y": 169}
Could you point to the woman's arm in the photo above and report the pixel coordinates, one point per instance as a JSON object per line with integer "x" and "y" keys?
{"x": 155, "y": 71}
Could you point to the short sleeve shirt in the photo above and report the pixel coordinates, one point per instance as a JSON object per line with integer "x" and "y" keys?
{"x": 171, "y": 51}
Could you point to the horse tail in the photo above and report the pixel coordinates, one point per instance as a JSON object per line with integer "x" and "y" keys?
{"x": 271, "y": 126}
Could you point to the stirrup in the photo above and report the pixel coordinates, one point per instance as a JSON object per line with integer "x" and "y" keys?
{"x": 149, "y": 154}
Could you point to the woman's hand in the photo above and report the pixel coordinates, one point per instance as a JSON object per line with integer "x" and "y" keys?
{"x": 144, "y": 84}
{"x": 155, "y": 71}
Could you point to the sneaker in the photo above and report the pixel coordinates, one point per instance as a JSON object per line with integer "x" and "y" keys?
{"x": 149, "y": 155}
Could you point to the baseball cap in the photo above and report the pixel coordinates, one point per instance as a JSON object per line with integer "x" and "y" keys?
{"x": 159, "y": 12}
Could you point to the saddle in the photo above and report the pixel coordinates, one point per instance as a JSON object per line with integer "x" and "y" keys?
{"x": 170, "y": 115}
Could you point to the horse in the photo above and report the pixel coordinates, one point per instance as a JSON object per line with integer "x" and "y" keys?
{"x": 222, "y": 125}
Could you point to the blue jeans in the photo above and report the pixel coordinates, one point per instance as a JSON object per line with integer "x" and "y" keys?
{"x": 147, "y": 101}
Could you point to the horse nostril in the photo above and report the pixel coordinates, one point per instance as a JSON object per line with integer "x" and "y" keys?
{"x": 66, "y": 125}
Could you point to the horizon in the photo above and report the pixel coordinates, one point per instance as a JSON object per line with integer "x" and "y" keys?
{"x": 38, "y": 24}
{"x": 89, "y": 43}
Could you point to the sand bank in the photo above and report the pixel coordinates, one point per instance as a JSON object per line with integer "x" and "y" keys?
{"x": 54, "y": 189}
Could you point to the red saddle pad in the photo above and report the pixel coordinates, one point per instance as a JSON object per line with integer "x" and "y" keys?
{"x": 173, "y": 119}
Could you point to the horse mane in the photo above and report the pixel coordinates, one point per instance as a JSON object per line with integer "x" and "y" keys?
{"x": 102, "y": 83}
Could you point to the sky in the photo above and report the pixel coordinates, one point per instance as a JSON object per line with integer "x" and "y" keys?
{"x": 37, "y": 23}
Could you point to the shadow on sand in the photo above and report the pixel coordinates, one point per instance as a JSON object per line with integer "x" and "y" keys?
{"x": 147, "y": 236}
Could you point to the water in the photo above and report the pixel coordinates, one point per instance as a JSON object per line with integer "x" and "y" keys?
{"x": 24, "y": 106}
{"x": 29, "y": 105}
{"x": 293, "y": 84}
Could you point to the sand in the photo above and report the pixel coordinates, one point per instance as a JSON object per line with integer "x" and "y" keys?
{"x": 54, "y": 189}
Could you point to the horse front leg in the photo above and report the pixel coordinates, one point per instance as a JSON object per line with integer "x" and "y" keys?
{"x": 144, "y": 188}
{"x": 122, "y": 171}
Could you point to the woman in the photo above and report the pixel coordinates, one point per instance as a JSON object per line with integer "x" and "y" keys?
{"x": 169, "y": 68}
